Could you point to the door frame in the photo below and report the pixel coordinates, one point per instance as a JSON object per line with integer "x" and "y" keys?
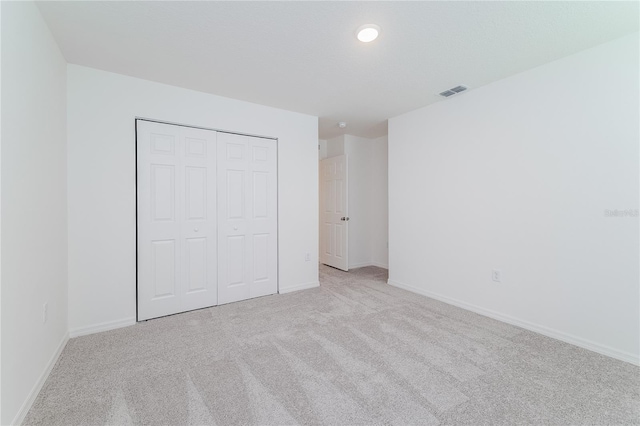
{"x": 135, "y": 153}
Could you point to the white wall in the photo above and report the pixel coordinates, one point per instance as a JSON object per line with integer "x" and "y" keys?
{"x": 322, "y": 148}
{"x": 335, "y": 147}
{"x": 367, "y": 197}
{"x": 360, "y": 191}
{"x": 379, "y": 209}
{"x": 101, "y": 179}
{"x": 516, "y": 175}
{"x": 0, "y": 216}
{"x": 34, "y": 205}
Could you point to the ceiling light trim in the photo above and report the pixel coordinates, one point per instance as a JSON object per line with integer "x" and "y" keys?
{"x": 368, "y": 32}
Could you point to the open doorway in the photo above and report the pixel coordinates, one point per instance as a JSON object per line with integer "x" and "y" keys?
{"x": 354, "y": 220}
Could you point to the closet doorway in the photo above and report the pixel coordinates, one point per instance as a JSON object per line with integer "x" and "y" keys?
{"x": 206, "y": 218}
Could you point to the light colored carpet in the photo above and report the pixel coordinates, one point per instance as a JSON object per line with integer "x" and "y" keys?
{"x": 354, "y": 351}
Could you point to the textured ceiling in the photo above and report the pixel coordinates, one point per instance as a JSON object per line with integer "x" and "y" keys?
{"x": 304, "y": 56}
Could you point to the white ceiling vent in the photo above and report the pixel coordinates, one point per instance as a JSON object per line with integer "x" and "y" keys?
{"x": 453, "y": 91}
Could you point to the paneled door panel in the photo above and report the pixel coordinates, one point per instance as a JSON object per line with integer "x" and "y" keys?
{"x": 334, "y": 238}
{"x": 176, "y": 200}
{"x": 247, "y": 208}
{"x": 198, "y": 212}
{"x": 196, "y": 265}
{"x": 163, "y": 269}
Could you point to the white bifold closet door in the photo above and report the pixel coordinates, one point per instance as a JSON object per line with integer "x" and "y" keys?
{"x": 184, "y": 262}
{"x": 247, "y": 212}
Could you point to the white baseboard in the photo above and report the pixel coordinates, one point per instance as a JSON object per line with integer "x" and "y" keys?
{"x": 541, "y": 329}
{"x": 359, "y": 265}
{"x": 297, "y": 287}
{"x": 104, "y": 326}
{"x": 363, "y": 264}
{"x": 26, "y": 406}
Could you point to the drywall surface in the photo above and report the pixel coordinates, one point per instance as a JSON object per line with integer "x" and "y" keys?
{"x": 322, "y": 149}
{"x": 359, "y": 165}
{"x": 335, "y": 147}
{"x": 34, "y": 205}
{"x": 519, "y": 176}
{"x": 102, "y": 225}
{"x": 379, "y": 211}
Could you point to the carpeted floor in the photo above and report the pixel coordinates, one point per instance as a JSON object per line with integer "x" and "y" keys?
{"x": 354, "y": 351}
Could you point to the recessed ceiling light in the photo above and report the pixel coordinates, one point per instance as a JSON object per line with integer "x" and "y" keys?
{"x": 368, "y": 32}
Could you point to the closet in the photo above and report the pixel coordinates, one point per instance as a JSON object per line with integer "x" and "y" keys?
{"x": 206, "y": 218}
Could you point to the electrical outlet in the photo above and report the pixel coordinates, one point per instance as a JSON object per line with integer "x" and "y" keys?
{"x": 496, "y": 275}
{"x": 45, "y": 313}
{"x": 307, "y": 257}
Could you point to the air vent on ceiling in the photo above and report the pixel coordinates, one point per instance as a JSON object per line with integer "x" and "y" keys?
{"x": 453, "y": 91}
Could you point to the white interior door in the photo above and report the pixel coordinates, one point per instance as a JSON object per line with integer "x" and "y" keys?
{"x": 176, "y": 192}
{"x": 247, "y": 211}
{"x": 334, "y": 237}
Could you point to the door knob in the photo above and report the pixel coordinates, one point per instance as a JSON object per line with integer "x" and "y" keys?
{"x": 235, "y": 228}
{"x": 195, "y": 229}
{"x": 342, "y": 218}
